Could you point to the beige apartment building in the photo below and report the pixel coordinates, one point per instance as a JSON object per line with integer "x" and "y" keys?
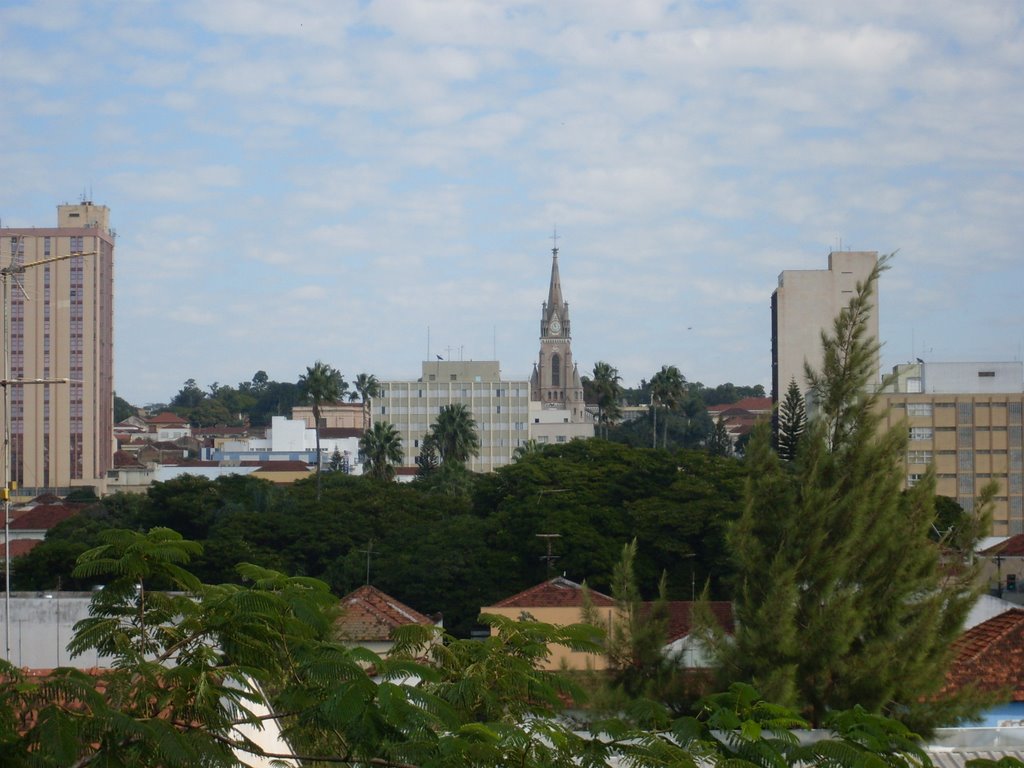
{"x": 500, "y": 408}
{"x": 61, "y": 342}
{"x": 806, "y": 302}
{"x": 965, "y": 419}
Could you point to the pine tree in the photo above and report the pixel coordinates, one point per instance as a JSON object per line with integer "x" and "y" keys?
{"x": 841, "y": 600}
{"x": 792, "y": 423}
{"x": 719, "y": 443}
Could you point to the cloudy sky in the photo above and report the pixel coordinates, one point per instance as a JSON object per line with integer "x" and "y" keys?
{"x": 321, "y": 179}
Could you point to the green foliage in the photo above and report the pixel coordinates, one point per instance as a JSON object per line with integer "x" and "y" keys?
{"x": 193, "y": 667}
{"x": 381, "y": 447}
{"x": 450, "y": 542}
{"x": 639, "y": 632}
{"x": 829, "y": 549}
{"x": 454, "y": 435}
{"x": 719, "y": 443}
{"x": 667, "y": 391}
{"x": 792, "y": 423}
{"x": 123, "y": 409}
{"x": 321, "y": 384}
{"x": 605, "y": 390}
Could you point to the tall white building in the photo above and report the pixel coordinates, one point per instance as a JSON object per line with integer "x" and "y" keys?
{"x": 806, "y": 302}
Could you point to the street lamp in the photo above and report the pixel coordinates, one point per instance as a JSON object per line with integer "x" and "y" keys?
{"x": 5, "y": 276}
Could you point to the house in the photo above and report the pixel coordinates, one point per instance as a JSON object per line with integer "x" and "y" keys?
{"x": 1003, "y": 568}
{"x": 168, "y": 426}
{"x": 741, "y": 416}
{"x": 370, "y": 617}
{"x": 29, "y": 524}
{"x": 560, "y": 601}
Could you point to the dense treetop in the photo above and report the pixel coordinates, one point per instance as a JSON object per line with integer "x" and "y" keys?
{"x": 451, "y": 542}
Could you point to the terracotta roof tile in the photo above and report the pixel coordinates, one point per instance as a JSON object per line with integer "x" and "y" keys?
{"x": 20, "y": 547}
{"x": 44, "y": 517}
{"x": 680, "y": 617}
{"x": 167, "y": 418}
{"x": 991, "y": 655}
{"x": 1011, "y": 547}
{"x": 558, "y": 592}
{"x": 369, "y": 614}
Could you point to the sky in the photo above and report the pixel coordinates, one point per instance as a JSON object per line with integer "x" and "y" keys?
{"x": 374, "y": 183}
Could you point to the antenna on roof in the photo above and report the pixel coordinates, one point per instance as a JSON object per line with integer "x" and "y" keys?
{"x": 549, "y": 558}
{"x": 369, "y": 551}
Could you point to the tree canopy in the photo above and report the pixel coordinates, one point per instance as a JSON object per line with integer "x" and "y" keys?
{"x": 197, "y": 670}
{"x": 841, "y": 597}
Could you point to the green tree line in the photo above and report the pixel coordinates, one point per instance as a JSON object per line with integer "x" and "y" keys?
{"x": 450, "y": 542}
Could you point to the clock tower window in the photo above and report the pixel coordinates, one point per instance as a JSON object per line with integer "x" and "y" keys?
{"x": 556, "y": 371}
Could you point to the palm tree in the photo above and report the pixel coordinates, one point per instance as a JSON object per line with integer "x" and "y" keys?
{"x": 526, "y": 449}
{"x": 381, "y": 447}
{"x": 321, "y": 384}
{"x": 607, "y": 391}
{"x": 454, "y": 434}
{"x": 366, "y": 388}
{"x": 667, "y": 389}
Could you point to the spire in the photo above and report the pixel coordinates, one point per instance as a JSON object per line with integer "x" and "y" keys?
{"x": 555, "y": 289}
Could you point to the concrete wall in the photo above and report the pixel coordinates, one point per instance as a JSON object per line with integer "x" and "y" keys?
{"x": 41, "y": 626}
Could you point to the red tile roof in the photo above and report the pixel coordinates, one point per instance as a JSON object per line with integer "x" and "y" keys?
{"x": 369, "y": 614}
{"x": 754, "y": 404}
{"x": 20, "y": 547}
{"x": 44, "y": 517}
{"x": 167, "y": 418}
{"x": 558, "y": 592}
{"x": 1012, "y": 547}
{"x": 680, "y": 617}
{"x": 991, "y": 656}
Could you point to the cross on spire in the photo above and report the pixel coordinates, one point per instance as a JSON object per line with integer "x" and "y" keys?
{"x": 554, "y": 242}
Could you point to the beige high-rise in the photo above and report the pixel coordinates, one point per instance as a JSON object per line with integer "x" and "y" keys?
{"x": 806, "y": 302}
{"x": 62, "y": 327}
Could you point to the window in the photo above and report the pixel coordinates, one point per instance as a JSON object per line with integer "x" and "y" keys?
{"x": 919, "y": 457}
{"x": 920, "y": 433}
{"x": 556, "y": 371}
{"x": 561, "y": 439}
{"x": 919, "y": 409}
{"x": 986, "y": 374}
{"x": 964, "y": 413}
{"x": 451, "y": 377}
{"x": 913, "y": 479}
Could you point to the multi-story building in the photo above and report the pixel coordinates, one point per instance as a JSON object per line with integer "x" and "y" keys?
{"x": 500, "y": 408}
{"x": 806, "y": 302}
{"x": 61, "y": 342}
{"x": 965, "y": 420}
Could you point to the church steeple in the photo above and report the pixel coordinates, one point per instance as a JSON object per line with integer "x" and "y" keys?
{"x": 556, "y": 380}
{"x": 555, "y": 289}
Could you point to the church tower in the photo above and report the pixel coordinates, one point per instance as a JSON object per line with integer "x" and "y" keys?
{"x": 556, "y": 381}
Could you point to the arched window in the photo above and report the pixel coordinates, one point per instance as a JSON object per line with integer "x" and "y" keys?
{"x": 556, "y": 370}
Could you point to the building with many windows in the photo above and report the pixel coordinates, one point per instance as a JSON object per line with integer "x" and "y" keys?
{"x": 965, "y": 420}
{"x": 500, "y": 407}
{"x": 61, "y": 341}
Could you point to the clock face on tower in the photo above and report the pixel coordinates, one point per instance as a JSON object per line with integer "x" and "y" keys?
{"x": 555, "y": 327}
